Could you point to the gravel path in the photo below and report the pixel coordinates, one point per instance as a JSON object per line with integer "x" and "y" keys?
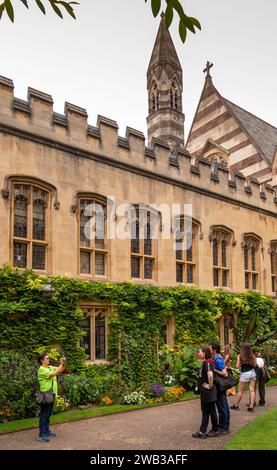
{"x": 166, "y": 427}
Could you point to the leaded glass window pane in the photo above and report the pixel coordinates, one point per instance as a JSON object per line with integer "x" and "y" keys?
{"x": 215, "y": 252}
{"x": 135, "y": 267}
{"x": 39, "y": 213}
{"x": 226, "y": 331}
{"x": 247, "y": 280}
{"x": 148, "y": 267}
{"x": 253, "y": 258}
{"x": 246, "y": 258}
{"x": 20, "y": 216}
{"x": 254, "y": 281}
{"x": 148, "y": 242}
{"x": 179, "y": 249}
{"x": 84, "y": 241}
{"x": 100, "y": 228}
{"x": 135, "y": 241}
{"x": 85, "y": 341}
{"x": 272, "y": 262}
{"x": 179, "y": 272}
{"x": 38, "y": 257}
{"x": 99, "y": 264}
{"x": 189, "y": 274}
{"x": 224, "y": 253}
{"x": 100, "y": 336}
{"x": 85, "y": 262}
{"x": 216, "y": 277}
{"x": 224, "y": 278}
{"x": 20, "y": 255}
{"x": 189, "y": 246}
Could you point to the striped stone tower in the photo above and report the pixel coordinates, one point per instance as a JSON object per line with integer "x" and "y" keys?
{"x": 165, "y": 86}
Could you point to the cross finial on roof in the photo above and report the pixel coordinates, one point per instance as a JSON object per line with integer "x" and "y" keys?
{"x": 209, "y": 65}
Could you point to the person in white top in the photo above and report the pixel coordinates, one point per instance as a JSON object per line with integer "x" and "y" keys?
{"x": 261, "y": 379}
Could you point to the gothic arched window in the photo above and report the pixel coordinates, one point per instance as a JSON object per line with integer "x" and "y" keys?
{"x": 30, "y": 234}
{"x": 273, "y": 262}
{"x": 186, "y": 252}
{"x": 251, "y": 252}
{"x": 93, "y": 237}
{"x": 221, "y": 242}
{"x": 95, "y": 341}
{"x": 143, "y": 228}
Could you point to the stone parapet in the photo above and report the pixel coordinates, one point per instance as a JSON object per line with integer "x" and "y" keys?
{"x": 34, "y": 119}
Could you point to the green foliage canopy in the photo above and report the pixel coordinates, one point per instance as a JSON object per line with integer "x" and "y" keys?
{"x": 185, "y": 22}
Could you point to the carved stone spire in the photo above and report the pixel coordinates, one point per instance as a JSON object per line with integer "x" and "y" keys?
{"x": 165, "y": 86}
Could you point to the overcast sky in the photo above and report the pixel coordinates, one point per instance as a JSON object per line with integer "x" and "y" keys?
{"x": 99, "y": 61}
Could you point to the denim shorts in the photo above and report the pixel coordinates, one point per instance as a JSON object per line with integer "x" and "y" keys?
{"x": 247, "y": 376}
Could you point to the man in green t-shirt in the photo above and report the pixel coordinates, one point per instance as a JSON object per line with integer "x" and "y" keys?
{"x": 47, "y": 378}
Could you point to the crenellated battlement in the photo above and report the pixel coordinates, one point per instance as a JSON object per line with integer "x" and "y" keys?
{"x": 35, "y": 119}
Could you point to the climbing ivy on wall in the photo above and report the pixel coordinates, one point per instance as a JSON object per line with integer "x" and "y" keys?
{"x": 29, "y": 321}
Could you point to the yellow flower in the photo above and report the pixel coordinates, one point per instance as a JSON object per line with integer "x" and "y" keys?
{"x": 106, "y": 401}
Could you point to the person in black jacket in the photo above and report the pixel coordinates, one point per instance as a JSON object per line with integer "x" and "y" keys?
{"x": 207, "y": 395}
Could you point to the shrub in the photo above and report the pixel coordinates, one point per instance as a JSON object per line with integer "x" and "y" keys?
{"x": 79, "y": 390}
{"x": 269, "y": 354}
{"x": 183, "y": 366}
{"x": 18, "y": 384}
{"x": 108, "y": 381}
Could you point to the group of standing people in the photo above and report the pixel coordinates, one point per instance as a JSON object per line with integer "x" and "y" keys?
{"x": 214, "y": 403}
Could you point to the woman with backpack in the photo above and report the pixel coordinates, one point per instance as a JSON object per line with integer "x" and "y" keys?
{"x": 208, "y": 395}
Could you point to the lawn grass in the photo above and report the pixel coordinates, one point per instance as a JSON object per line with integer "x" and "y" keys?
{"x": 259, "y": 434}
{"x": 77, "y": 414}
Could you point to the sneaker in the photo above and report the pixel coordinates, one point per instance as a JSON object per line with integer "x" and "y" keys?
{"x": 222, "y": 431}
{"x": 213, "y": 434}
{"x": 234, "y": 407}
{"x": 251, "y": 409}
{"x": 262, "y": 403}
{"x": 51, "y": 434}
{"x": 199, "y": 435}
{"x": 43, "y": 439}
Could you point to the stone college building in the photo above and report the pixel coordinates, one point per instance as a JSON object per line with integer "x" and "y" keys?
{"x": 53, "y": 166}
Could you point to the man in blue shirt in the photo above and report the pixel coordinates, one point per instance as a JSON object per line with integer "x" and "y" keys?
{"x": 221, "y": 402}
